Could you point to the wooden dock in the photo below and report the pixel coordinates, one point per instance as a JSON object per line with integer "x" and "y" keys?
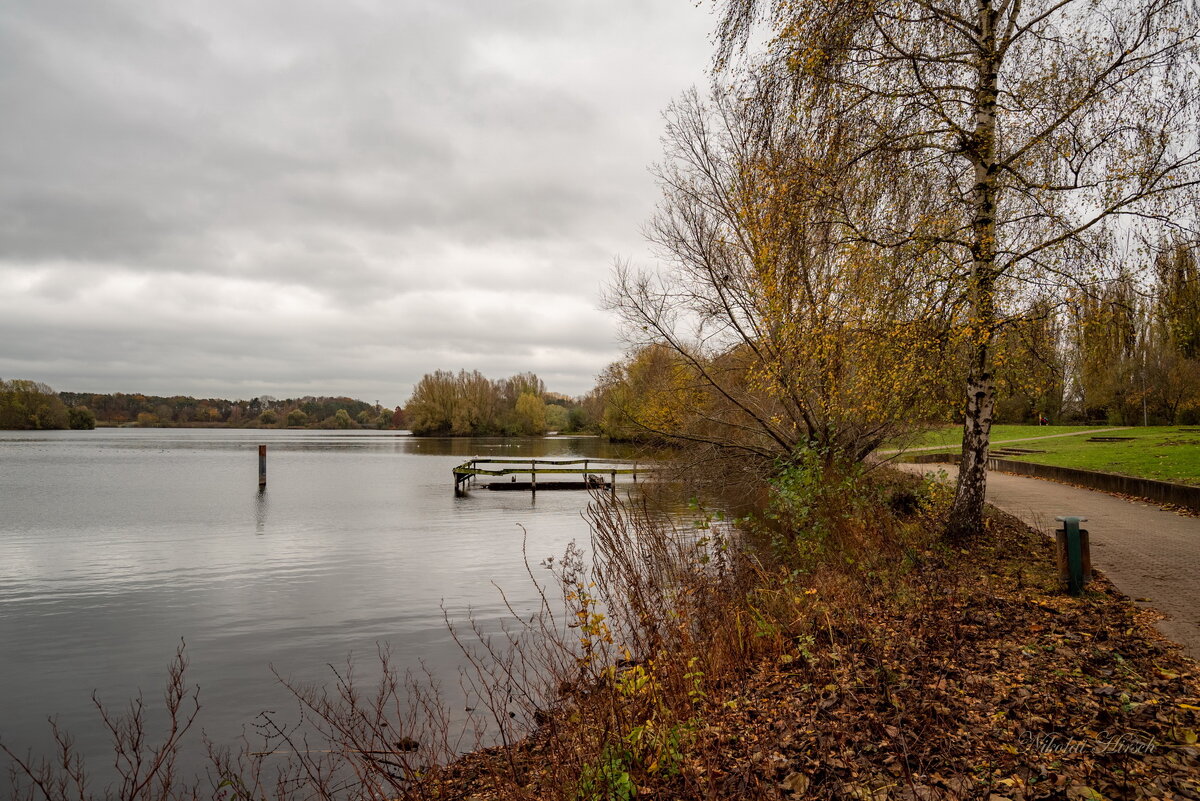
{"x": 592, "y": 473}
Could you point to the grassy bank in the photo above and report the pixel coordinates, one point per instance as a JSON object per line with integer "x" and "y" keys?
{"x": 1164, "y": 453}
{"x": 951, "y": 436}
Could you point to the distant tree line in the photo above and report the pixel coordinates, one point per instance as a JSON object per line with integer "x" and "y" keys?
{"x": 444, "y": 403}
{"x": 182, "y": 410}
{"x": 26, "y": 404}
{"x": 32, "y": 405}
{"x": 1125, "y": 351}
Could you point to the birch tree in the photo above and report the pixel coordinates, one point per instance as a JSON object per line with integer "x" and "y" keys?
{"x": 1043, "y": 131}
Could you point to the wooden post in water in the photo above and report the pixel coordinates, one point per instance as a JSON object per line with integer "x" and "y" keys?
{"x": 613, "y": 481}
{"x": 533, "y": 475}
{"x": 262, "y": 467}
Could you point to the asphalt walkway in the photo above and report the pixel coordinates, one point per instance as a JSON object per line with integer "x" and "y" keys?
{"x": 1152, "y": 555}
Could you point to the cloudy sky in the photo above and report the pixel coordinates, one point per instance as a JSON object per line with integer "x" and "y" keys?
{"x": 244, "y": 197}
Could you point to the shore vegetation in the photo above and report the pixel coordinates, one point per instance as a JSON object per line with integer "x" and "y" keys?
{"x": 33, "y": 405}
{"x": 465, "y": 403}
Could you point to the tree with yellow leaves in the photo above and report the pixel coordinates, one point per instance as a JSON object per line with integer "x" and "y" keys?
{"x": 783, "y": 332}
{"x": 1041, "y": 133}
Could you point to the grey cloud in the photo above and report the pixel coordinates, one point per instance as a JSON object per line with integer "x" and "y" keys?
{"x": 184, "y": 160}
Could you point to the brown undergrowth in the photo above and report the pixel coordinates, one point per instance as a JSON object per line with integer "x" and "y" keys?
{"x": 835, "y": 648}
{"x": 876, "y": 663}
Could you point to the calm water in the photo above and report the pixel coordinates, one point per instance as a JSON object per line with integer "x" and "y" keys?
{"x": 114, "y": 544}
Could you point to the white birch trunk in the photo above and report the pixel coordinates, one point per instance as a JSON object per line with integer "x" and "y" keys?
{"x": 966, "y": 515}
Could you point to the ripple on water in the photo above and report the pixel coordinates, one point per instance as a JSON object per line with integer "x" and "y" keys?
{"x": 116, "y": 544}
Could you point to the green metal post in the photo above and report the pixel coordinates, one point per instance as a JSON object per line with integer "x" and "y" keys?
{"x": 1074, "y": 553}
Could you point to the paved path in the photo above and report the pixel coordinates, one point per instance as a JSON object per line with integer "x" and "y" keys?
{"x": 1151, "y": 555}
{"x": 953, "y": 445}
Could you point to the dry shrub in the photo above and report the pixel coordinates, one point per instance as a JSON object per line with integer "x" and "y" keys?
{"x": 145, "y": 771}
{"x": 670, "y": 619}
{"x": 601, "y": 690}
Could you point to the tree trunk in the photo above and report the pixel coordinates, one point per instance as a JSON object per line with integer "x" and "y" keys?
{"x": 966, "y": 515}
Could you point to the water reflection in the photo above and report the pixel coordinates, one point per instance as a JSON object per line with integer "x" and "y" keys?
{"x": 260, "y": 511}
{"x": 114, "y": 544}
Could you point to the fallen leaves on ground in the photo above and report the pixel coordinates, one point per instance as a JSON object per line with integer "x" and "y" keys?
{"x": 982, "y": 682}
{"x": 994, "y": 686}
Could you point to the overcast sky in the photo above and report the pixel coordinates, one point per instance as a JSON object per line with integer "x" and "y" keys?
{"x": 236, "y": 198}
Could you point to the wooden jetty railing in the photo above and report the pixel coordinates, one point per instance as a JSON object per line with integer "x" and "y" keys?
{"x": 593, "y": 473}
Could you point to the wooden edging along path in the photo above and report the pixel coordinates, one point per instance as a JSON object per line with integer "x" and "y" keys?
{"x": 591, "y": 472}
{"x": 1167, "y": 492}
{"x": 891, "y": 451}
{"x": 1184, "y": 495}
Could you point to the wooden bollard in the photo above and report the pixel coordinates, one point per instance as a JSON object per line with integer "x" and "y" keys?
{"x": 262, "y": 466}
{"x": 533, "y": 476}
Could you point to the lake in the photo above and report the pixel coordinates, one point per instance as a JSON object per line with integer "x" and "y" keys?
{"x": 117, "y": 543}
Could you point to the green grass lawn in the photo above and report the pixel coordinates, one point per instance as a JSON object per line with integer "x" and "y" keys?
{"x": 952, "y": 435}
{"x": 1166, "y": 453}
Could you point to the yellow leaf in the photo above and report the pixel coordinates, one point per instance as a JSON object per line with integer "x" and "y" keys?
{"x": 1082, "y": 793}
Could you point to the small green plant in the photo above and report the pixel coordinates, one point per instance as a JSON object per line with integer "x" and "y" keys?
{"x": 695, "y": 679}
{"x": 806, "y": 644}
{"x": 813, "y": 498}
{"x": 657, "y": 748}
{"x": 935, "y": 494}
{"x": 580, "y": 593}
{"x": 633, "y": 682}
{"x": 764, "y": 626}
{"x": 608, "y": 779}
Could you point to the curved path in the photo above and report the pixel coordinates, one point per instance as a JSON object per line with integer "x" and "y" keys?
{"x": 1152, "y": 555}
